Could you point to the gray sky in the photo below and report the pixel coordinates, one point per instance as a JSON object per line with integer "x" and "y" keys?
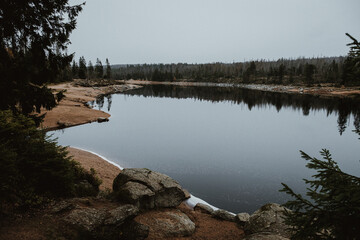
{"x": 202, "y": 31}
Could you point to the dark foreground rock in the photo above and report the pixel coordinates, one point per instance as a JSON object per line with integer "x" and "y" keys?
{"x": 265, "y": 236}
{"x": 224, "y": 215}
{"x": 168, "y": 224}
{"x": 268, "y": 219}
{"x": 99, "y": 223}
{"x": 203, "y": 208}
{"x": 147, "y": 189}
{"x": 242, "y": 218}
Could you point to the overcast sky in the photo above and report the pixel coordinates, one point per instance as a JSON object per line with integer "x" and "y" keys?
{"x": 202, "y": 31}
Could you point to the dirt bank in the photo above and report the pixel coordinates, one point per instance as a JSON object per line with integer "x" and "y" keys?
{"x": 104, "y": 170}
{"x": 73, "y": 109}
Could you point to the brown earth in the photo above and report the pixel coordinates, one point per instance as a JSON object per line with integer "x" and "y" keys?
{"x": 73, "y": 109}
{"x": 104, "y": 170}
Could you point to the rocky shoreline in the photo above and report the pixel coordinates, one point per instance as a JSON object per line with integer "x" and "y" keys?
{"x": 158, "y": 211}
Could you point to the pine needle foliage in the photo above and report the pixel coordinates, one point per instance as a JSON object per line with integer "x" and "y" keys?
{"x": 34, "y": 167}
{"x": 331, "y": 209}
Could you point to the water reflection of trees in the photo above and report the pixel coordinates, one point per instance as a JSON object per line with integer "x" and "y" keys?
{"x": 261, "y": 99}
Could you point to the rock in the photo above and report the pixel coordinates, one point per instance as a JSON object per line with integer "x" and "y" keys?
{"x": 265, "y": 236}
{"x": 224, "y": 215}
{"x": 87, "y": 219}
{"x": 120, "y": 214}
{"x": 269, "y": 218}
{"x": 136, "y": 193}
{"x": 62, "y": 124}
{"x": 172, "y": 223}
{"x": 102, "y": 119}
{"x": 242, "y": 218}
{"x": 101, "y": 223}
{"x": 203, "y": 208}
{"x": 63, "y": 206}
{"x": 134, "y": 230}
{"x": 147, "y": 189}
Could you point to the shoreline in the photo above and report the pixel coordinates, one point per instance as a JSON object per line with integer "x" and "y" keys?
{"x": 190, "y": 202}
{"x": 323, "y": 90}
{"x": 73, "y": 110}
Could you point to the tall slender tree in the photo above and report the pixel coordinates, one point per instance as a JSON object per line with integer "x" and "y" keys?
{"x": 90, "y": 70}
{"x": 82, "y": 68}
{"x": 99, "y": 69}
{"x": 108, "y": 69}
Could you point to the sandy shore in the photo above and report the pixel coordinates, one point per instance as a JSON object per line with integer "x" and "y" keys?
{"x": 73, "y": 109}
{"x": 104, "y": 170}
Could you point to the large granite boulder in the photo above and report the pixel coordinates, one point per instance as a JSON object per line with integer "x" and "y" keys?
{"x": 265, "y": 236}
{"x": 242, "y": 218}
{"x": 147, "y": 189}
{"x": 171, "y": 223}
{"x": 223, "y": 215}
{"x": 99, "y": 222}
{"x": 201, "y": 207}
{"x": 268, "y": 219}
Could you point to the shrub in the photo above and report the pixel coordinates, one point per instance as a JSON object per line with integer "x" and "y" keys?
{"x": 33, "y": 166}
{"x": 333, "y": 210}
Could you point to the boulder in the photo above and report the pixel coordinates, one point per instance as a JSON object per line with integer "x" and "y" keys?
{"x": 265, "y": 236}
{"x": 87, "y": 219}
{"x": 118, "y": 215}
{"x": 167, "y": 224}
{"x": 203, "y": 208}
{"x": 223, "y": 215}
{"x": 134, "y": 231}
{"x": 270, "y": 219}
{"x": 242, "y": 218}
{"x": 147, "y": 189}
{"x": 100, "y": 222}
{"x": 102, "y": 119}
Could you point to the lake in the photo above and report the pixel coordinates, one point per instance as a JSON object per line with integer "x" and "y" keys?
{"x": 232, "y": 147}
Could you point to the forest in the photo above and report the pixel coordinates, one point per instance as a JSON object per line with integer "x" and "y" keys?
{"x": 282, "y": 71}
{"x": 341, "y": 70}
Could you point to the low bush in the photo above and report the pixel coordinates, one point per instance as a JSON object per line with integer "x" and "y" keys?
{"x": 33, "y": 167}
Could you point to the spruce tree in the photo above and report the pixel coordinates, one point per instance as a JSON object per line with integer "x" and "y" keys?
{"x": 108, "y": 69}
{"x": 33, "y": 39}
{"x": 82, "y": 73}
{"x": 332, "y": 207}
{"x": 351, "y": 70}
{"x": 90, "y": 70}
{"x": 99, "y": 69}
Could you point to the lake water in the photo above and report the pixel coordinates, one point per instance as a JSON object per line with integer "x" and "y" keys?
{"x": 232, "y": 147}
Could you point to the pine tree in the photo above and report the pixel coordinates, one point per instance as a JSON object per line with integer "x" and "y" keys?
{"x": 74, "y": 69}
{"x": 108, "y": 69}
{"x": 82, "y": 73}
{"x": 99, "y": 69}
{"x": 351, "y": 70}
{"x": 90, "y": 70}
{"x": 309, "y": 72}
{"x": 333, "y": 211}
{"x": 33, "y": 41}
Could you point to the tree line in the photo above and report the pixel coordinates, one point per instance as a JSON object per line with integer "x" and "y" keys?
{"x": 88, "y": 71}
{"x": 309, "y": 71}
{"x": 282, "y": 71}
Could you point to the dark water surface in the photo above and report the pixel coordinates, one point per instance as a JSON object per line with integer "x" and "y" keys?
{"x": 231, "y": 147}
